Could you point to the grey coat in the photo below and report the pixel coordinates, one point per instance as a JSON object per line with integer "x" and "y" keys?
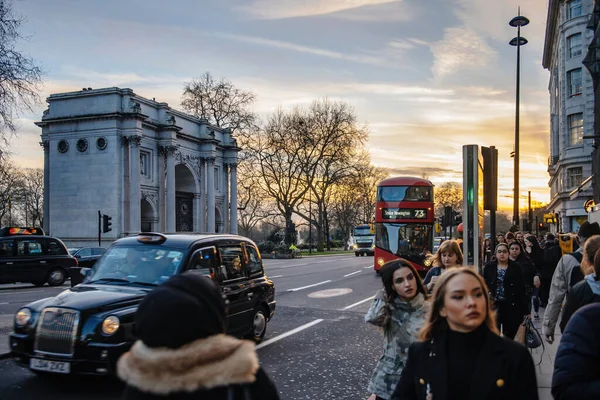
{"x": 407, "y": 318}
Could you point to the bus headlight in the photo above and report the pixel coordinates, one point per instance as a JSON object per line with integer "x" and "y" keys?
{"x": 110, "y": 325}
{"x": 380, "y": 261}
{"x": 22, "y": 317}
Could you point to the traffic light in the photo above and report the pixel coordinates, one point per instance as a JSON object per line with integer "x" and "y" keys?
{"x": 106, "y": 224}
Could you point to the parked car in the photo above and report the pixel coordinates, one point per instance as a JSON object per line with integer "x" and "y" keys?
{"x": 28, "y": 255}
{"x": 86, "y": 328}
{"x": 87, "y": 257}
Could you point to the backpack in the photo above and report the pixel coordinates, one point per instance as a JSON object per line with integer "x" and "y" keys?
{"x": 576, "y": 273}
{"x": 552, "y": 256}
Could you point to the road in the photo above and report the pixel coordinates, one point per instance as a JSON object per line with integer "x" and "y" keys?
{"x": 317, "y": 345}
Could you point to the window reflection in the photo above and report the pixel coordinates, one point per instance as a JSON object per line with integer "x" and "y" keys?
{"x": 410, "y": 241}
{"x": 404, "y": 193}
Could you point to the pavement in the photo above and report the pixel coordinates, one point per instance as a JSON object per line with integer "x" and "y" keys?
{"x": 6, "y": 326}
{"x": 546, "y": 355}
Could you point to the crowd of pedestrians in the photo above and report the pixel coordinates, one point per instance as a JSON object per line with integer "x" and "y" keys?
{"x": 460, "y": 341}
{"x": 447, "y": 337}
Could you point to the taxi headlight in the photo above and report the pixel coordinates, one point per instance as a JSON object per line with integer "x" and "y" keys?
{"x": 22, "y": 317}
{"x": 380, "y": 261}
{"x": 110, "y": 325}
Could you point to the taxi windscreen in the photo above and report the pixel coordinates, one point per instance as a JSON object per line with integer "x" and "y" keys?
{"x": 143, "y": 265}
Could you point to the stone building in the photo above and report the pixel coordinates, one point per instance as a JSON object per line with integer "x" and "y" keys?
{"x": 148, "y": 166}
{"x": 571, "y": 111}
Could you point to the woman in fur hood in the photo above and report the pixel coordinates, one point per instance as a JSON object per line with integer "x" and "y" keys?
{"x": 183, "y": 351}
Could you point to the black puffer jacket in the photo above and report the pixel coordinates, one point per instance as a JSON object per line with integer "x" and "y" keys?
{"x": 577, "y": 363}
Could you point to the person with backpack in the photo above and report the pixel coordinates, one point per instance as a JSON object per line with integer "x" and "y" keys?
{"x": 586, "y": 291}
{"x": 552, "y": 255}
{"x": 565, "y": 278}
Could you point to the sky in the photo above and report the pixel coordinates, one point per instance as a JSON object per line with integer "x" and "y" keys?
{"x": 426, "y": 76}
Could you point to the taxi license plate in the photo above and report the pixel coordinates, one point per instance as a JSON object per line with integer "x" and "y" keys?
{"x": 50, "y": 366}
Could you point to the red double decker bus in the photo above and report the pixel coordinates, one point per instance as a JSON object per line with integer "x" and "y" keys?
{"x": 404, "y": 218}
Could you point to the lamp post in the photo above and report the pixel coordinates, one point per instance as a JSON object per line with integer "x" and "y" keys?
{"x": 518, "y": 41}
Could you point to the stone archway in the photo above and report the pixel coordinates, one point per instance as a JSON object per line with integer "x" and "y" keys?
{"x": 148, "y": 218}
{"x": 185, "y": 187}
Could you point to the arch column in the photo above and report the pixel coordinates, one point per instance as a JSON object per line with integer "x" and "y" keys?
{"x": 46, "y": 223}
{"x": 233, "y": 199}
{"x": 210, "y": 174}
{"x": 202, "y": 196}
{"x": 170, "y": 204}
{"x": 135, "y": 213}
{"x": 225, "y": 187}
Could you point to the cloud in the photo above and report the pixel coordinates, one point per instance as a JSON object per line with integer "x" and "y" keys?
{"x": 460, "y": 48}
{"x": 277, "y": 9}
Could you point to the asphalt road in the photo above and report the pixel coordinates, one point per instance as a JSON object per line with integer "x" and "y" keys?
{"x": 317, "y": 345}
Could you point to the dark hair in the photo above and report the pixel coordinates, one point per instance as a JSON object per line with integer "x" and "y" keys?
{"x": 509, "y": 236}
{"x": 535, "y": 245}
{"x": 435, "y": 322}
{"x": 387, "y": 277}
{"x": 591, "y": 249}
{"x": 502, "y": 244}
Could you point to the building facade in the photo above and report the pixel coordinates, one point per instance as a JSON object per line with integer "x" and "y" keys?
{"x": 148, "y": 166}
{"x": 571, "y": 111}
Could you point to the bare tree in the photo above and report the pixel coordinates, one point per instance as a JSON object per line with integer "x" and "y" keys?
{"x": 20, "y": 77}
{"x": 32, "y": 194}
{"x": 11, "y": 184}
{"x": 448, "y": 194}
{"x": 253, "y": 205}
{"x": 219, "y": 102}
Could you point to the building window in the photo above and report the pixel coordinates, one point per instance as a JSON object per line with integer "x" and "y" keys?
{"x": 145, "y": 165}
{"x": 574, "y": 9}
{"x": 574, "y": 82}
{"x": 575, "y": 128}
{"x": 82, "y": 145}
{"x": 574, "y": 177}
{"x": 574, "y": 45}
{"x": 63, "y": 146}
{"x": 216, "y": 178}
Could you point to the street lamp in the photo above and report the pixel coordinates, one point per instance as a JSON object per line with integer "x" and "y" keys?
{"x": 518, "y": 41}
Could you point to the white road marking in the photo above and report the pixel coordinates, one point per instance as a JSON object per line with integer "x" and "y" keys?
{"x": 353, "y": 273}
{"x": 1, "y": 304}
{"x": 22, "y": 292}
{"x": 358, "y": 303}
{"x": 370, "y": 266}
{"x": 309, "y": 286}
{"x": 284, "y": 335}
{"x": 275, "y": 276}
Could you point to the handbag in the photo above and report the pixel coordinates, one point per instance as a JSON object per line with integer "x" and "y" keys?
{"x": 521, "y": 332}
{"x": 533, "y": 339}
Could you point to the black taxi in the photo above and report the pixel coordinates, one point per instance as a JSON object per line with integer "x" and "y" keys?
{"x": 85, "y": 329}
{"x": 28, "y": 255}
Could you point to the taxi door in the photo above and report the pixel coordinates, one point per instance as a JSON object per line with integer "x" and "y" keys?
{"x": 235, "y": 287}
{"x": 9, "y": 271}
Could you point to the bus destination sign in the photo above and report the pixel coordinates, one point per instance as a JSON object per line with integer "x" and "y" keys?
{"x": 404, "y": 213}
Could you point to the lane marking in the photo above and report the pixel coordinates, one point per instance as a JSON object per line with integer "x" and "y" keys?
{"x": 329, "y": 293}
{"x": 2, "y": 304}
{"x": 370, "y": 266}
{"x": 358, "y": 303}
{"x": 276, "y": 276}
{"x": 308, "y": 286}
{"x": 23, "y": 292}
{"x": 284, "y": 335}
{"x": 352, "y": 273}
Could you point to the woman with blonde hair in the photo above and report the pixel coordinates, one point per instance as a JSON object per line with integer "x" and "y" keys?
{"x": 447, "y": 256}
{"x": 588, "y": 290}
{"x": 461, "y": 355}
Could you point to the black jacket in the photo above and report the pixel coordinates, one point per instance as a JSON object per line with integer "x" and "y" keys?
{"x": 514, "y": 286}
{"x": 552, "y": 255}
{"x": 579, "y": 296}
{"x": 577, "y": 362}
{"x": 504, "y": 370}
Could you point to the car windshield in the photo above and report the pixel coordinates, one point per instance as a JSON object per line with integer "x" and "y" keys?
{"x": 73, "y": 250}
{"x": 362, "y": 231}
{"x": 145, "y": 265}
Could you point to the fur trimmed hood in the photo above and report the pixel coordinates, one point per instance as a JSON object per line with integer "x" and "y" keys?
{"x": 219, "y": 360}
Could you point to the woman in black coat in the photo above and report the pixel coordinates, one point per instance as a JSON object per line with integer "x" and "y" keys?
{"x": 183, "y": 353}
{"x": 504, "y": 280}
{"x": 577, "y": 363}
{"x": 461, "y": 356}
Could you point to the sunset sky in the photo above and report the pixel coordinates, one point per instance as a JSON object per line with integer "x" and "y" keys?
{"x": 427, "y": 76}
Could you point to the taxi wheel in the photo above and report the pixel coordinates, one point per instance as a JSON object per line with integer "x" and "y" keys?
{"x": 57, "y": 277}
{"x": 259, "y": 325}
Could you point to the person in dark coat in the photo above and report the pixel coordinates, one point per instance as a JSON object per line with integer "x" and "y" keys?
{"x": 461, "y": 355}
{"x": 536, "y": 254}
{"x": 517, "y": 253}
{"x": 183, "y": 352}
{"x": 504, "y": 280}
{"x": 552, "y": 255}
{"x": 577, "y": 363}
{"x": 588, "y": 290}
